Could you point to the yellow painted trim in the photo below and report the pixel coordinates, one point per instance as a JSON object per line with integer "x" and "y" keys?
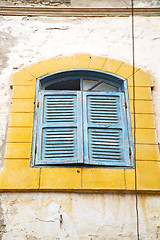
{"x": 97, "y": 62}
{"x": 65, "y": 62}
{"x": 37, "y": 70}
{"x": 142, "y": 79}
{"x": 60, "y": 178}
{"x": 21, "y": 119}
{"x": 148, "y": 175}
{"x": 17, "y": 173}
{"x": 112, "y": 65}
{"x": 146, "y": 136}
{"x": 19, "y": 135}
{"x": 146, "y": 152}
{"x": 81, "y": 60}
{"x": 23, "y": 78}
{"x": 18, "y": 150}
{"x": 143, "y": 120}
{"x": 22, "y": 106}
{"x": 130, "y": 179}
{"x": 142, "y": 106}
{"x": 50, "y": 65}
{"x": 20, "y": 92}
{"x": 103, "y": 178}
{"x": 141, "y": 93}
{"x": 126, "y": 70}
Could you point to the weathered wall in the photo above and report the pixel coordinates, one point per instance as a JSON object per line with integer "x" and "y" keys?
{"x": 33, "y": 216}
{"x": 36, "y": 216}
{"x": 25, "y": 41}
{"x": 82, "y": 3}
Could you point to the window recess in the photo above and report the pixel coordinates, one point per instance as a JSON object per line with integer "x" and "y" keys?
{"x": 82, "y": 120}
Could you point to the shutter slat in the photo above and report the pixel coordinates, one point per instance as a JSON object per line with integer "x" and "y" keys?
{"x": 103, "y": 131}
{"x": 57, "y": 103}
{"x": 60, "y": 128}
{"x": 56, "y": 137}
{"x": 105, "y": 136}
{"x": 96, "y": 107}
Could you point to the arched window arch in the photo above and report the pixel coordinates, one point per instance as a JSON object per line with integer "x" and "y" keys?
{"x": 82, "y": 117}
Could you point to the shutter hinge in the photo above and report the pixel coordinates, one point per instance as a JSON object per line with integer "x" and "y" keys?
{"x": 35, "y": 149}
{"x": 130, "y": 153}
{"x": 38, "y": 105}
{"x": 125, "y": 105}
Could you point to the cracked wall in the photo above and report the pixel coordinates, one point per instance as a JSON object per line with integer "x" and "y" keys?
{"x": 36, "y": 216}
{"x": 25, "y": 41}
{"x": 48, "y": 216}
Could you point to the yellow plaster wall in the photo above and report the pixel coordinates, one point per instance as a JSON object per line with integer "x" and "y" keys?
{"x": 17, "y": 173}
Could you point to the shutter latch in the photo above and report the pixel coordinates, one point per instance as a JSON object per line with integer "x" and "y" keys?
{"x": 125, "y": 105}
{"x": 38, "y": 105}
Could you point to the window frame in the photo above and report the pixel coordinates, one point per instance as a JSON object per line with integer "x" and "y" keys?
{"x": 68, "y": 74}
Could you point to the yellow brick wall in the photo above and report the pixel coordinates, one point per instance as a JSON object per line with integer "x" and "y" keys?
{"x": 17, "y": 173}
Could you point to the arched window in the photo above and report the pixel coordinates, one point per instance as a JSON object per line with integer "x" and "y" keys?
{"x": 82, "y": 117}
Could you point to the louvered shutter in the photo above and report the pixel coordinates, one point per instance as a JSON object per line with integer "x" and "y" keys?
{"x": 59, "y": 139}
{"x": 105, "y": 129}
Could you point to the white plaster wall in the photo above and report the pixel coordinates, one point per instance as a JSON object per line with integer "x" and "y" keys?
{"x": 82, "y": 3}
{"x": 36, "y": 216}
{"x": 25, "y": 41}
{"x": 115, "y": 3}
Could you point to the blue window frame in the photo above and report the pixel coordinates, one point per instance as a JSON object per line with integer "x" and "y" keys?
{"x": 82, "y": 117}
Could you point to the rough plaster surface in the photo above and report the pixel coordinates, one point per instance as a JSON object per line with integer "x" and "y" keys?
{"x": 53, "y": 3}
{"x": 25, "y": 41}
{"x": 82, "y": 3}
{"x": 36, "y": 216}
{"x": 6, "y": 43}
{"x": 58, "y": 216}
{"x": 2, "y": 224}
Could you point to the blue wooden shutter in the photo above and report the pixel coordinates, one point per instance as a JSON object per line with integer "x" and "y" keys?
{"x": 105, "y": 129}
{"x": 59, "y": 139}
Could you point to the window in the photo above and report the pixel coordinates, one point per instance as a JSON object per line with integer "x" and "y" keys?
{"x": 82, "y": 117}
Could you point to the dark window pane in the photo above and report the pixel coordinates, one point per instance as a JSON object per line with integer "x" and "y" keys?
{"x": 65, "y": 85}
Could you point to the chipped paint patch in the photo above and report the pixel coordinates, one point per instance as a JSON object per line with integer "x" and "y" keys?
{"x": 2, "y": 223}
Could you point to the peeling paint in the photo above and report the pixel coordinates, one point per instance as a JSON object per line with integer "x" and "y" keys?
{"x": 54, "y": 3}
{"x": 7, "y": 41}
{"x": 2, "y": 223}
{"x": 37, "y": 216}
{"x": 30, "y": 237}
{"x": 81, "y": 3}
{"x": 149, "y": 216}
{"x": 59, "y": 216}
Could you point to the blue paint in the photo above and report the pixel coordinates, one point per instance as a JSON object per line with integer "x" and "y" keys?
{"x": 59, "y": 129}
{"x": 105, "y": 129}
{"x": 82, "y": 127}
